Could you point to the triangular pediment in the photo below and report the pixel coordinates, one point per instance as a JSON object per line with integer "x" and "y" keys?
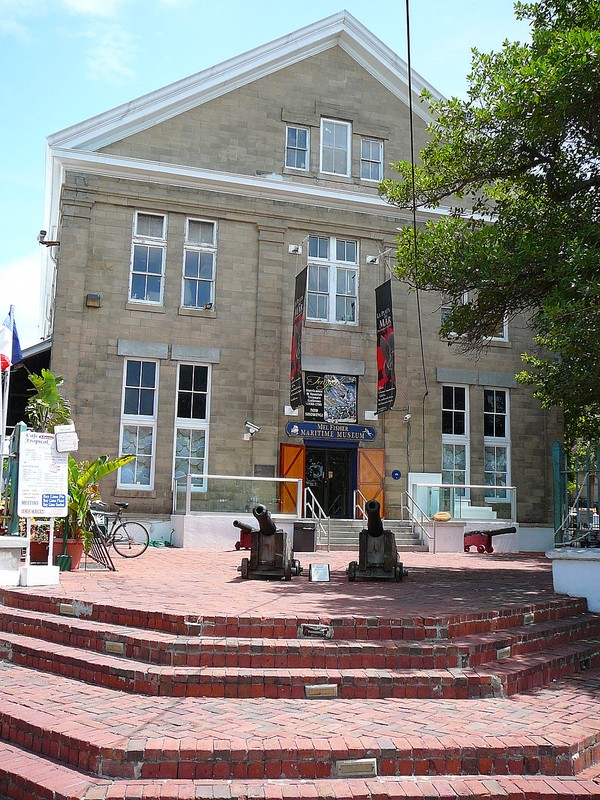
{"x": 339, "y": 30}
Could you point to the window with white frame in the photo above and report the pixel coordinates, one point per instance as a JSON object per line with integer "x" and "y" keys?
{"x": 371, "y": 159}
{"x": 335, "y": 147}
{"x": 148, "y": 258}
{"x": 496, "y": 442}
{"x": 332, "y": 280}
{"x": 297, "y": 147}
{"x": 191, "y": 422}
{"x": 199, "y": 263}
{"x": 455, "y": 436}
{"x": 501, "y": 332}
{"x": 138, "y": 423}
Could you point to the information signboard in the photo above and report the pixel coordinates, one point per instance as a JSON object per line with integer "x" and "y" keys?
{"x": 43, "y": 482}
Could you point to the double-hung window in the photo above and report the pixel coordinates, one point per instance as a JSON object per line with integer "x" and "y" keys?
{"x": 138, "y": 423}
{"x": 335, "y": 147}
{"x": 332, "y": 280}
{"x": 148, "y": 258}
{"x": 496, "y": 442}
{"x": 297, "y": 147}
{"x": 199, "y": 261}
{"x": 371, "y": 159}
{"x": 191, "y": 422}
{"x": 455, "y": 437}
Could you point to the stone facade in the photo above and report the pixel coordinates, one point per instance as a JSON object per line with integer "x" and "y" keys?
{"x": 222, "y": 160}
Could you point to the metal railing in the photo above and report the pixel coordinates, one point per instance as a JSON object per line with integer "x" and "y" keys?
{"x": 359, "y": 503}
{"x": 412, "y": 504}
{"x": 461, "y": 501}
{"x": 233, "y": 499}
{"x": 313, "y": 510}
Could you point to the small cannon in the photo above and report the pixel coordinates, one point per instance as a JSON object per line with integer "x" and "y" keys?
{"x": 270, "y": 549}
{"x": 377, "y": 552}
{"x": 245, "y": 540}
{"x": 482, "y": 540}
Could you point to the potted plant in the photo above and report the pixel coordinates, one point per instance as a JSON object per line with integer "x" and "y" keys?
{"x": 83, "y": 492}
{"x": 47, "y": 407}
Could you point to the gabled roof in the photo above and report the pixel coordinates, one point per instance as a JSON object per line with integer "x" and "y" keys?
{"x": 341, "y": 29}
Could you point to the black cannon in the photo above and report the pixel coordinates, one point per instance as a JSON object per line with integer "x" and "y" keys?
{"x": 271, "y": 553}
{"x": 245, "y": 540}
{"x": 377, "y": 551}
{"x": 482, "y": 540}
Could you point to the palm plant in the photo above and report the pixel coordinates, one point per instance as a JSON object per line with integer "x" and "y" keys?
{"x": 83, "y": 491}
{"x": 47, "y": 407}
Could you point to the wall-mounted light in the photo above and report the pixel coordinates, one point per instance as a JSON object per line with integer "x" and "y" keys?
{"x": 208, "y": 306}
{"x": 372, "y": 259}
{"x": 93, "y": 301}
{"x": 295, "y": 248}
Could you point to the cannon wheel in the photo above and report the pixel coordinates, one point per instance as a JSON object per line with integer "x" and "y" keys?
{"x": 352, "y": 571}
{"x": 398, "y": 572}
{"x": 287, "y": 571}
{"x": 480, "y": 548}
{"x": 245, "y": 568}
{"x": 237, "y": 545}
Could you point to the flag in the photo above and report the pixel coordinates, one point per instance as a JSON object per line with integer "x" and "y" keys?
{"x": 10, "y": 347}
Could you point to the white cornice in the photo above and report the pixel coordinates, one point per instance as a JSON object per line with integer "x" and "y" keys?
{"x": 112, "y": 166}
{"x": 339, "y": 29}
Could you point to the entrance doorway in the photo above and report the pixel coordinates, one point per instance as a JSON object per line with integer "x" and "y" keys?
{"x": 328, "y": 476}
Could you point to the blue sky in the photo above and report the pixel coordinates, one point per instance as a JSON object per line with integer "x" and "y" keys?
{"x": 64, "y": 61}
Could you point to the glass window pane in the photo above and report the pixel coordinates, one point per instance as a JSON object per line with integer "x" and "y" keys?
{"x": 206, "y": 265}
{"x": 488, "y": 400}
{"x": 148, "y": 374}
{"x": 140, "y": 258}
{"x": 147, "y": 402}
{"x": 185, "y": 376}
{"x": 153, "y": 290}
{"x": 459, "y": 398}
{"x": 447, "y": 422}
{"x": 133, "y": 373}
{"x": 459, "y": 423}
{"x": 447, "y": 397}
{"x": 184, "y": 405}
{"x": 155, "y": 260}
{"x": 200, "y": 379}
{"x": 191, "y": 267}
{"x": 150, "y": 225}
{"x": 130, "y": 404}
{"x": 199, "y": 406}
{"x": 488, "y": 425}
{"x": 501, "y": 402}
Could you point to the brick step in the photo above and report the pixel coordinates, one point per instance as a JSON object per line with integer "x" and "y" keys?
{"x": 112, "y": 735}
{"x": 26, "y": 776}
{"x": 206, "y": 651}
{"x": 496, "y": 679}
{"x": 418, "y": 628}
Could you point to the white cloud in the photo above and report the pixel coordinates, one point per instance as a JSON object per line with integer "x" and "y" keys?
{"x": 110, "y": 54}
{"x": 20, "y": 286}
{"x": 93, "y": 8}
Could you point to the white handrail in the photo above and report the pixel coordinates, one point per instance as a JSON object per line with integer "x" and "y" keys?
{"x": 418, "y": 522}
{"x": 358, "y": 506}
{"x": 310, "y": 504}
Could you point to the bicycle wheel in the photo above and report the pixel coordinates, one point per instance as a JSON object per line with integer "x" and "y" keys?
{"x": 130, "y": 539}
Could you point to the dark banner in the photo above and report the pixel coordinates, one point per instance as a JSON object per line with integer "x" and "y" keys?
{"x": 296, "y": 393}
{"x": 386, "y": 373}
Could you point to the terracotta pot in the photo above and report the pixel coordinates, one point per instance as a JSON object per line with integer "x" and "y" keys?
{"x": 74, "y": 549}
{"x": 38, "y": 552}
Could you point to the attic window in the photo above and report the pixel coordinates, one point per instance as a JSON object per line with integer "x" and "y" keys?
{"x": 335, "y": 147}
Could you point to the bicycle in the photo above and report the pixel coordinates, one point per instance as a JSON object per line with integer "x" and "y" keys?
{"x": 130, "y": 539}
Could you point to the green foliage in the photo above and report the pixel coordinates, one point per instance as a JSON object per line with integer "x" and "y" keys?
{"x": 521, "y": 152}
{"x": 47, "y": 407}
{"x": 83, "y": 491}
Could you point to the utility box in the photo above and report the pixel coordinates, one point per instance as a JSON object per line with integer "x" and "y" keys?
{"x": 304, "y": 537}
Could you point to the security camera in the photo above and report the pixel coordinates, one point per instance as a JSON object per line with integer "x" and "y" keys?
{"x": 252, "y": 428}
{"x": 407, "y": 417}
{"x": 41, "y": 236}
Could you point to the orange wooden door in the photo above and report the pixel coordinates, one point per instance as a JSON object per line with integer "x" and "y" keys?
{"x": 371, "y": 475}
{"x": 292, "y": 464}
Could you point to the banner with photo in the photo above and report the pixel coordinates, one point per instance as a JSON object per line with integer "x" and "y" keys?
{"x": 330, "y": 398}
{"x": 386, "y": 372}
{"x": 296, "y": 393}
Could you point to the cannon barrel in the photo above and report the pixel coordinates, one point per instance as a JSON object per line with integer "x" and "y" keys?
{"x": 242, "y": 525}
{"x": 374, "y": 523}
{"x": 493, "y": 532}
{"x": 263, "y": 517}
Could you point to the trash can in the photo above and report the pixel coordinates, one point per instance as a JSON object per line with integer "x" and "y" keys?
{"x": 304, "y": 537}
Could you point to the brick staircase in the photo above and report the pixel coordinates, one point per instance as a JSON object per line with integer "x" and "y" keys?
{"x": 103, "y": 702}
{"x": 343, "y": 535}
